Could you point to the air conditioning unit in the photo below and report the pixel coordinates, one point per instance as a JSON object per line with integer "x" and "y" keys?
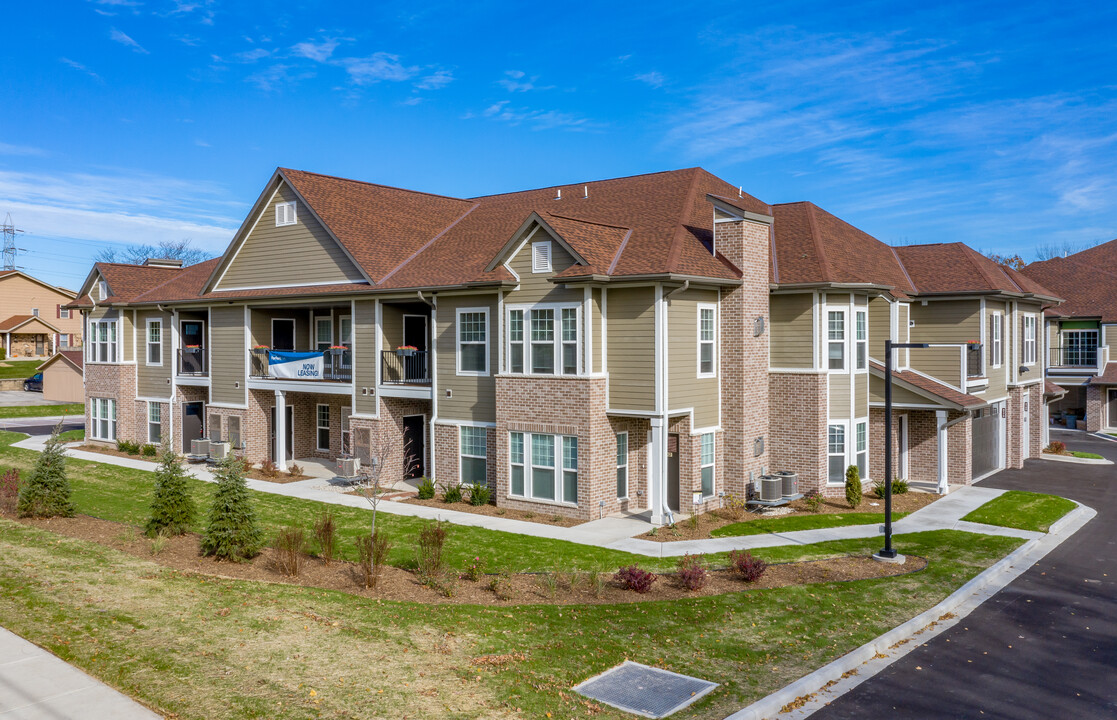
{"x": 219, "y": 450}
{"x": 790, "y": 482}
{"x": 771, "y": 488}
{"x": 348, "y": 466}
{"x": 200, "y": 447}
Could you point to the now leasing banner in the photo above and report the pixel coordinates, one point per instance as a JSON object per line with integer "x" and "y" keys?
{"x": 295, "y": 365}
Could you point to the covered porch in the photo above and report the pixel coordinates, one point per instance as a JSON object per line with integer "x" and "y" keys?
{"x": 31, "y": 337}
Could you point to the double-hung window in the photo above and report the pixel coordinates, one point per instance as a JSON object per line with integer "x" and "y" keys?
{"x": 836, "y": 453}
{"x": 996, "y": 324}
{"x": 622, "y": 465}
{"x": 836, "y": 339}
{"x": 103, "y": 337}
{"x": 569, "y": 341}
{"x": 570, "y": 469}
{"x": 707, "y": 340}
{"x": 1029, "y": 350}
{"x": 473, "y": 345}
{"x": 154, "y": 342}
{"x": 707, "y": 464}
{"x": 474, "y": 455}
{"x": 543, "y": 340}
{"x": 102, "y": 416}
{"x": 861, "y": 336}
{"x": 544, "y": 467}
{"x": 154, "y": 423}
{"x": 862, "y": 449}
{"x": 323, "y": 427}
{"x": 323, "y": 333}
{"x": 516, "y": 341}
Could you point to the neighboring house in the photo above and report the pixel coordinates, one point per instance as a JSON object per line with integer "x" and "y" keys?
{"x": 582, "y": 350}
{"x": 34, "y": 319}
{"x": 62, "y": 376}
{"x": 1082, "y": 335}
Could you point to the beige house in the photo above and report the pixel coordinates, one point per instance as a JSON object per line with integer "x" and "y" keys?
{"x": 635, "y": 344}
{"x": 35, "y": 320}
{"x": 62, "y": 377}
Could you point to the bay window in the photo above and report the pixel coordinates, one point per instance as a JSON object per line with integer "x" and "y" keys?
{"x": 543, "y": 340}
{"x": 545, "y": 467}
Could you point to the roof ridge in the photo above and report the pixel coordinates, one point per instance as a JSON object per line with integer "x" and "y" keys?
{"x": 168, "y": 282}
{"x": 676, "y": 249}
{"x": 588, "y": 222}
{"x": 617, "y": 256}
{"x": 823, "y": 263}
{"x": 903, "y": 269}
{"x": 372, "y": 184}
{"x": 969, "y": 254}
{"x": 428, "y": 243}
{"x": 584, "y": 182}
{"x": 1003, "y": 268}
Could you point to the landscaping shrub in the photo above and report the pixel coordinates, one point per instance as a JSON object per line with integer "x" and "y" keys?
{"x": 381, "y": 546}
{"x": 853, "y": 486}
{"x": 549, "y": 582}
{"x": 814, "y": 500}
{"x": 9, "y": 490}
{"x": 474, "y": 570}
{"x": 149, "y": 450}
{"x": 3, "y": 354}
{"x": 1056, "y": 447}
{"x": 747, "y": 567}
{"x": 426, "y": 488}
{"x": 428, "y": 562}
{"x": 735, "y": 506}
{"x": 635, "y": 578}
{"x": 232, "y": 532}
{"x": 127, "y": 446}
{"x": 172, "y": 509}
{"x": 595, "y": 580}
{"x": 364, "y": 559}
{"x": 47, "y": 492}
{"x": 692, "y": 572}
{"x": 290, "y": 547}
{"x": 899, "y": 487}
{"x": 478, "y": 495}
{"x": 325, "y": 531}
{"x": 158, "y": 543}
{"x": 269, "y": 469}
{"x": 452, "y": 493}
{"x": 294, "y": 470}
{"x": 501, "y": 585}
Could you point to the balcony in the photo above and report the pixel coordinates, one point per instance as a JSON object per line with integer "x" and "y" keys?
{"x": 336, "y": 367}
{"x": 405, "y": 367}
{"x": 1075, "y": 356}
{"x": 193, "y": 362}
{"x": 975, "y": 367}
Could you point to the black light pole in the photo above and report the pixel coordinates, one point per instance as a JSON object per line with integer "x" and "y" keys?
{"x": 889, "y": 553}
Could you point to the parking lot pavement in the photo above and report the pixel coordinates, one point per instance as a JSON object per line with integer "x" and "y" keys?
{"x": 19, "y": 398}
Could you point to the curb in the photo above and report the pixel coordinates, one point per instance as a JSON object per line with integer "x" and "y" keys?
{"x": 1073, "y": 459}
{"x": 831, "y": 681}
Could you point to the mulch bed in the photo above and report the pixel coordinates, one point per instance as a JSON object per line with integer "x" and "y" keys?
{"x": 253, "y": 473}
{"x": 543, "y": 518}
{"x": 908, "y": 502}
{"x": 114, "y": 452}
{"x": 181, "y": 553}
{"x": 281, "y": 478}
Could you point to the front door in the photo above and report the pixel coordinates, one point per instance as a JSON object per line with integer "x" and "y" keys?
{"x": 414, "y": 447}
{"x": 289, "y": 451}
{"x": 1112, "y": 407}
{"x": 283, "y": 334}
{"x": 192, "y": 428}
{"x": 673, "y": 472}
{"x": 40, "y": 345}
{"x": 415, "y": 335}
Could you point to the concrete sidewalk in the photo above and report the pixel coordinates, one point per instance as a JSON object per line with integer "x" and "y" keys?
{"x": 35, "y": 685}
{"x": 614, "y": 532}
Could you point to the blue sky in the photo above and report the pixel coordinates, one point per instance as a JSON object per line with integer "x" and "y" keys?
{"x": 144, "y": 120}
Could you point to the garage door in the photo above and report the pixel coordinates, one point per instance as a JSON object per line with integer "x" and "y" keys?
{"x": 985, "y": 435}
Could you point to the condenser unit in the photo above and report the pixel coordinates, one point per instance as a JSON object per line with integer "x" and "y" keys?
{"x": 219, "y": 450}
{"x": 790, "y": 482}
{"x": 200, "y": 447}
{"x": 348, "y": 467}
{"x": 771, "y": 488}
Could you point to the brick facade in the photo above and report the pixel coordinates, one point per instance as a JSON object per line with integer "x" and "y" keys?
{"x": 923, "y": 445}
{"x": 118, "y": 383}
{"x": 798, "y": 427}
{"x": 1095, "y": 406}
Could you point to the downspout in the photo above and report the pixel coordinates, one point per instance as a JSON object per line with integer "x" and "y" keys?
{"x": 433, "y": 302}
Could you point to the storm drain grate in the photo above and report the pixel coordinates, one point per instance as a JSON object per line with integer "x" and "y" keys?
{"x": 644, "y": 690}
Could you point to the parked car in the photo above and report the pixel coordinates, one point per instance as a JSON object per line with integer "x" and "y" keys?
{"x": 34, "y": 383}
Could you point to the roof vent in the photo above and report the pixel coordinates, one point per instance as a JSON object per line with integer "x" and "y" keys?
{"x": 163, "y": 262}
{"x": 558, "y": 194}
{"x": 585, "y": 192}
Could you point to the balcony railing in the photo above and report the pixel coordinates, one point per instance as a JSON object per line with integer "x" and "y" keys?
{"x": 405, "y": 367}
{"x": 974, "y": 365}
{"x": 336, "y": 366}
{"x": 1083, "y": 356}
{"x": 193, "y": 361}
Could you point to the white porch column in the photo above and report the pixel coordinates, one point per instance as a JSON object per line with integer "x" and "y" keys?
{"x": 281, "y": 430}
{"x": 657, "y": 470}
{"x": 940, "y": 423}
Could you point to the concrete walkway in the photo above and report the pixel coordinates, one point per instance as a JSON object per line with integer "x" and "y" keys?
{"x": 35, "y": 685}
{"x": 614, "y": 532}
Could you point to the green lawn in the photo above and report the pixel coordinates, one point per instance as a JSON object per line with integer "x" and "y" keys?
{"x": 21, "y": 411}
{"x": 800, "y": 522}
{"x": 1086, "y": 455}
{"x": 18, "y": 368}
{"x": 1022, "y": 510}
{"x": 73, "y": 435}
{"x": 198, "y": 646}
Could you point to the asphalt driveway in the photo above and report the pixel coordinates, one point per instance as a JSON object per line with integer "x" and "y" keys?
{"x": 1045, "y": 646}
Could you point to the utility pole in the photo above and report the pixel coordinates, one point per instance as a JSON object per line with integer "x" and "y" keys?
{"x": 10, "y": 248}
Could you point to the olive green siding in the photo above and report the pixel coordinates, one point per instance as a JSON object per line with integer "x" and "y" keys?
{"x": 946, "y": 321}
{"x": 227, "y": 355}
{"x": 302, "y": 254}
{"x": 997, "y": 375}
{"x": 630, "y": 314}
{"x": 839, "y": 395}
{"x": 391, "y": 316}
{"x": 861, "y": 394}
{"x": 900, "y": 396}
{"x": 364, "y": 356}
{"x": 880, "y": 325}
{"x": 474, "y": 397}
{"x": 126, "y": 326}
{"x": 791, "y": 343}
{"x": 595, "y": 315}
{"x": 904, "y": 332}
{"x": 153, "y": 380}
{"x": 837, "y": 298}
{"x": 260, "y": 320}
{"x": 537, "y": 287}
{"x": 684, "y": 388}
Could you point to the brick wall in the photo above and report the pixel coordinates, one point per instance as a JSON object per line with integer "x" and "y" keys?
{"x": 1095, "y": 406}
{"x": 798, "y": 427}
{"x": 116, "y": 382}
{"x": 923, "y": 445}
{"x": 959, "y": 449}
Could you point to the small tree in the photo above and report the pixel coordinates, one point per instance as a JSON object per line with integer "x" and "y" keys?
{"x": 47, "y": 493}
{"x": 172, "y": 509}
{"x": 853, "y": 486}
{"x": 372, "y": 475}
{"x": 232, "y": 532}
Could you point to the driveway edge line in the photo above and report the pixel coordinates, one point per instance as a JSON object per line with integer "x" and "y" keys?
{"x": 826, "y": 684}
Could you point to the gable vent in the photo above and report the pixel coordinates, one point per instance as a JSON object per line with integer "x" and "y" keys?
{"x": 541, "y": 257}
{"x": 285, "y": 214}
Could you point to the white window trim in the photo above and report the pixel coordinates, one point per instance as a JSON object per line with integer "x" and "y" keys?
{"x": 319, "y": 427}
{"x": 856, "y": 425}
{"x": 558, "y": 468}
{"x": 550, "y": 252}
{"x": 458, "y": 338}
{"x": 845, "y": 451}
{"x": 329, "y": 321}
{"x": 700, "y": 341}
{"x": 712, "y": 465}
{"x": 557, "y": 339}
{"x": 1025, "y": 341}
{"x": 996, "y": 342}
{"x": 34, "y": 312}
{"x": 281, "y": 210}
{"x": 845, "y": 341}
{"x": 64, "y": 313}
{"x": 158, "y": 409}
{"x": 485, "y": 457}
{"x": 627, "y": 449}
{"x": 148, "y": 343}
{"x": 861, "y": 343}
{"x": 95, "y": 418}
{"x": 111, "y": 343}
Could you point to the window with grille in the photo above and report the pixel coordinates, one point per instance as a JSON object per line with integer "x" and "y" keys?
{"x": 473, "y": 346}
{"x": 836, "y": 452}
{"x": 323, "y": 427}
{"x": 707, "y": 340}
{"x": 622, "y": 465}
{"x": 102, "y": 418}
{"x": 154, "y": 423}
{"x": 474, "y": 455}
{"x": 549, "y": 344}
{"x": 1029, "y": 350}
{"x": 836, "y": 339}
{"x": 861, "y": 337}
{"x": 707, "y": 464}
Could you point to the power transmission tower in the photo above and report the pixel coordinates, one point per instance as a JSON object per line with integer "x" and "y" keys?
{"x": 10, "y": 248}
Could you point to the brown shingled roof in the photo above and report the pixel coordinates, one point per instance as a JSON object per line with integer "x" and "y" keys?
{"x": 127, "y": 282}
{"x": 958, "y": 268}
{"x": 1084, "y": 279}
{"x": 1107, "y": 377}
{"x": 931, "y": 386}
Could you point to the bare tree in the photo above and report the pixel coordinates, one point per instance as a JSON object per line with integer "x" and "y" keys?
{"x": 1013, "y": 261}
{"x": 371, "y": 481}
{"x": 168, "y": 249}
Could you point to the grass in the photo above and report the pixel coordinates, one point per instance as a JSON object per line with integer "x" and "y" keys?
{"x": 1022, "y": 510}
{"x": 73, "y": 435}
{"x": 800, "y": 522}
{"x": 1086, "y": 455}
{"x": 10, "y": 369}
{"x": 196, "y": 646}
{"x": 22, "y": 411}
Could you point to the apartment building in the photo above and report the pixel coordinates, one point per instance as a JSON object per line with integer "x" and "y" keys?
{"x": 1082, "y": 336}
{"x": 619, "y": 345}
{"x": 37, "y": 320}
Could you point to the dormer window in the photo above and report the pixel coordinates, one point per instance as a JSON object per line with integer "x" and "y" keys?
{"x": 102, "y": 290}
{"x": 285, "y": 214}
{"x": 541, "y": 257}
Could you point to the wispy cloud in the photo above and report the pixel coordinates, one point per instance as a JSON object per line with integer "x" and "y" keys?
{"x": 318, "y": 51}
{"x": 80, "y": 67}
{"x": 251, "y": 56}
{"x": 278, "y": 76}
{"x": 378, "y": 67}
{"x": 654, "y": 79}
{"x": 538, "y": 119}
{"x": 123, "y": 39}
{"x": 7, "y": 149}
{"x": 517, "y": 81}
{"x": 436, "y": 80}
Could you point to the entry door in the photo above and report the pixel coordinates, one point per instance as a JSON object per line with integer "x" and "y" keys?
{"x": 192, "y": 427}
{"x": 1113, "y": 407}
{"x": 414, "y": 446}
{"x": 290, "y": 449}
{"x": 283, "y": 334}
{"x": 1026, "y": 424}
{"x": 415, "y": 334}
{"x": 40, "y": 345}
{"x": 903, "y": 441}
{"x": 673, "y": 472}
